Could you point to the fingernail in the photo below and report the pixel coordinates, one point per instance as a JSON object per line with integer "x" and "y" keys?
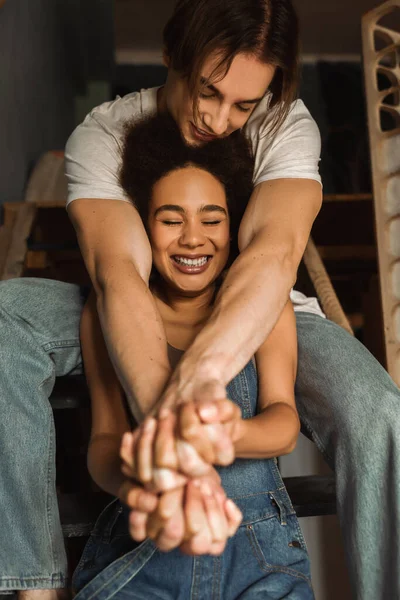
{"x": 206, "y": 489}
{"x": 164, "y": 413}
{"x": 221, "y": 496}
{"x": 208, "y": 411}
{"x": 230, "y": 505}
{"x": 213, "y": 432}
{"x": 149, "y": 425}
{"x": 225, "y": 458}
{"x": 166, "y": 479}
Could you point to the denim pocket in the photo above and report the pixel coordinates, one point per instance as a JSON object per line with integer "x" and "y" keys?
{"x": 278, "y": 547}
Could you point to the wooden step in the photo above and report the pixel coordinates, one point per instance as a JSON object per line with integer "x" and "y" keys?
{"x": 312, "y": 495}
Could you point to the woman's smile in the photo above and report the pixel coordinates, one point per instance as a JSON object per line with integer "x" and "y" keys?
{"x": 191, "y": 265}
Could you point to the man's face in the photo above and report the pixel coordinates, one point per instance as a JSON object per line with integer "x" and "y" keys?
{"x": 224, "y": 106}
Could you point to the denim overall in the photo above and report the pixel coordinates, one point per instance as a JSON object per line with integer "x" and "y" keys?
{"x": 266, "y": 558}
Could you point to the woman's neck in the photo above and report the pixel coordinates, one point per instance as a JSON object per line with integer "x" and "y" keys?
{"x": 188, "y": 306}
{"x": 183, "y": 316}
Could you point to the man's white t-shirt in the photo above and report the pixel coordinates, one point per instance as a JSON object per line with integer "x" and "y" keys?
{"x": 94, "y": 151}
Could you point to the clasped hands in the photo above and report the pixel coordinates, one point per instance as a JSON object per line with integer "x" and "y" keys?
{"x": 173, "y": 490}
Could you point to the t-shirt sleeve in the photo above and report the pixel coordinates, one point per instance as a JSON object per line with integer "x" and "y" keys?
{"x": 92, "y": 161}
{"x": 293, "y": 152}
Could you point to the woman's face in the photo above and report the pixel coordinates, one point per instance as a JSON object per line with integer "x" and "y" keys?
{"x": 225, "y": 105}
{"x": 188, "y": 228}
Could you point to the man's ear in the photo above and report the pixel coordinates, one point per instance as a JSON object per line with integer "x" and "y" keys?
{"x": 166, "y": 59}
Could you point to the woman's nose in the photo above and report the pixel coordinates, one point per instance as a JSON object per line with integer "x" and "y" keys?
{"x": 192, "y": 236}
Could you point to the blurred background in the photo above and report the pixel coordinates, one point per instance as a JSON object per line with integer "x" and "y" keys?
{"x": 59, "y": 59}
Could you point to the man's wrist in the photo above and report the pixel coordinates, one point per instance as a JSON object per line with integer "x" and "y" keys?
{"x": 208, "y": 367}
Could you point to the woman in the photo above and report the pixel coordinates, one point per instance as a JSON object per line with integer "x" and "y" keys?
{"x": 191, "y": 201}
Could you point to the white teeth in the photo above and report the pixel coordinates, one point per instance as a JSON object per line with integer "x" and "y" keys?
{"x": 191, "y": 262}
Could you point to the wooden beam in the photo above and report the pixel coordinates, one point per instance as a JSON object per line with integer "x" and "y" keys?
{"x": 323, "y": 286}
{"x": 15, "y": 255}
{"x": 347, "y": 197}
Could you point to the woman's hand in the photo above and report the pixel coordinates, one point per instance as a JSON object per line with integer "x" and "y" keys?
{"x": 198, "y": 518}
{"x": 136, "y": 454}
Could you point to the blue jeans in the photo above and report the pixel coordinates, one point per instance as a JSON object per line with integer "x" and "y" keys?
{"x": 266, "y": 558}
{"x": 346, "y": 401}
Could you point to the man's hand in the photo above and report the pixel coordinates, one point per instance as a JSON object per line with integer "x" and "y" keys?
{"x": 181, "y": 443}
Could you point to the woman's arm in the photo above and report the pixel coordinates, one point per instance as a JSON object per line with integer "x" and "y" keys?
{"x": 274, "y": 431}
{"x": 109, "y": 420}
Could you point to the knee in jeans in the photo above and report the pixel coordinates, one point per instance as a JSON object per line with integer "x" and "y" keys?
{"x": 370, "y": 422}
{"x": 10, "y": 290}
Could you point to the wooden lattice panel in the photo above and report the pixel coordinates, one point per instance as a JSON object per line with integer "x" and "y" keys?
{"x": 381, "y": 54}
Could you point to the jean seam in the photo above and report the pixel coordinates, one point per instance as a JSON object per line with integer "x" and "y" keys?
{"x": 315, "y": 438}
{"x": 265, "y": 566}
{"x": 123, "y": 568}
{"x": 246, "y": 406}
{"x": 265, "y": 493}
{"x": 71, "y": 343}
{"x": 216, "y": 578}
{"x": 300, "y": 535}
{"x": 195, "y": 578}
{"x": 48, "y": 494}
{"x": 16, "y": 582}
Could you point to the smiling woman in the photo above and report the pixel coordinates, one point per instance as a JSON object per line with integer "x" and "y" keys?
{"x": 190, "y": 237}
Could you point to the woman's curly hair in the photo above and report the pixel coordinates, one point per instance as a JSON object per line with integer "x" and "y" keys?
{"x": 154, "y": 146}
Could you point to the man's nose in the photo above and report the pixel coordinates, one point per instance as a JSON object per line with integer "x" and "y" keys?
{"x": 218, "y": 121}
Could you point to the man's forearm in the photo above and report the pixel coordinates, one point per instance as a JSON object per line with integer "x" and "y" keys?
{"x": 135, "y": 339}
{"x": 247, "y": 307}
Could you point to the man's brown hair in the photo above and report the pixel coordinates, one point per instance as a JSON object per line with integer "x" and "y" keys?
{"x": 265, "y": 29}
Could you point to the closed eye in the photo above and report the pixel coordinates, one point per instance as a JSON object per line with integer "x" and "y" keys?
{"x": 243, "y": 108}
{"x": 211, "y": 222}
{"x": 171, "y": 222}
{"x": 209, "y": 95}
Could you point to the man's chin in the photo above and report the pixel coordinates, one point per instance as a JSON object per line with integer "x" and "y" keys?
{"x": 190, "y": 141}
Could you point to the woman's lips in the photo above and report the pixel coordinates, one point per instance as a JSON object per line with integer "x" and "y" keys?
{"x": 191, "y": 269}
{"x": 199, "y": 135}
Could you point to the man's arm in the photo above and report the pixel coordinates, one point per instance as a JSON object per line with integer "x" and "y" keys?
{"x": 272, "y": 239}
{"x": 117, "y": 255}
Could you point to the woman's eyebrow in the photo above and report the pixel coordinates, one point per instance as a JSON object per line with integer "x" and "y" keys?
{"x": 213, "y": 208}
{"x": 173, "y": 207}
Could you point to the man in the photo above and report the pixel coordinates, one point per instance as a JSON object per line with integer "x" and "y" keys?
{"x": 231, "y": 65}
